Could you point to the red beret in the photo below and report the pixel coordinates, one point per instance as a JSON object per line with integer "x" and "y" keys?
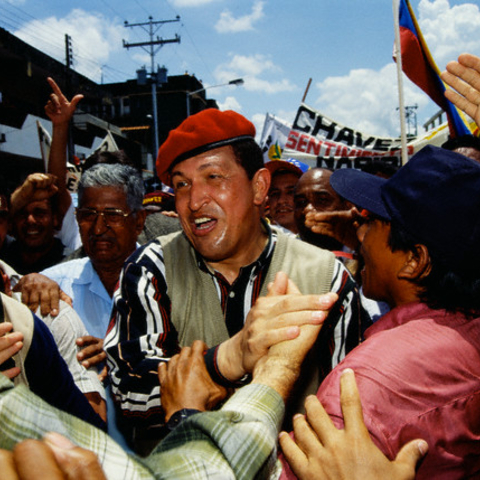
{"x": 199, "y": 133}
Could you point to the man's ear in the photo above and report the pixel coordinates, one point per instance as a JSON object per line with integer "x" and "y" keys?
{"x": 261, "y": 185}
{"x": 417, "y": 264}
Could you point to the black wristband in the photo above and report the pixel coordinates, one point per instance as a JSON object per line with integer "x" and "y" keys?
{"x": 210, "y": 358}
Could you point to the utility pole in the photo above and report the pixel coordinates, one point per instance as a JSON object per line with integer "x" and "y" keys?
{"x": 411, "y": 120}
{"x": 152, "y": 47}
{"x": 68, "y": 84}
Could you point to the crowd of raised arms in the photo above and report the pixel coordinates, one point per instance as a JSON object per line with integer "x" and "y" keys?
{"x": 263, "y": 321}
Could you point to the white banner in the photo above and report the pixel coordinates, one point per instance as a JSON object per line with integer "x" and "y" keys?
{"x": 45, "y": 143}
{"x": 316, "y": 134}
{"x": 274, "y": 136}
{"x": 108, "y": 144}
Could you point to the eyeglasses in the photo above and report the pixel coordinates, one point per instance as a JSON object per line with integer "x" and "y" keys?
{"x": 113, "y": 217}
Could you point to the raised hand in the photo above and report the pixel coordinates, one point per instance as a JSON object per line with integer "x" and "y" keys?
{"x": 58, "y": 108}
{"x": 321, "y": 451}
{"x": 464, "y": 77}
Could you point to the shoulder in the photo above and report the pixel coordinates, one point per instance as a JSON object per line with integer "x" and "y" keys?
{"x": 68, "y": 269}
{"x": 154, "y": 251}
{"x": 67, "y": 320}
{"x": 296, "y": 246}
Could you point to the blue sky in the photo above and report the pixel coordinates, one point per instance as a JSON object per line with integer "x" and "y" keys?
{"x": 345, "y": 46}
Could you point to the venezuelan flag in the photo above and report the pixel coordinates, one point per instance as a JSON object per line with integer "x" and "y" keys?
{"x": 422, "y": 70}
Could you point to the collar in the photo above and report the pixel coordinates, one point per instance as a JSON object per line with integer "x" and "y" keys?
{"x": 262, "y": 261}
{"x": 414, "y": 311}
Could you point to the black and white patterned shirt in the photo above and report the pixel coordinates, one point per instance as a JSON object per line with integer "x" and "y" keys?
{"x": 141, "y": 333}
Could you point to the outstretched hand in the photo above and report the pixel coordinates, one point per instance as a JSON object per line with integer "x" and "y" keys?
{"x": 464, "y": 77}
{"x": 92, "y": 352}
{"x": 55, "y": 458}
{"x": 275, "y": 318}
{"x": 186, "y": 383}
{"x": 10, "y": 344}
{"x": 58, "y": 108}
{"x": 321, "y": 451}
{"x": 36, "y": 187}
{"x": 340, "y": 225}
{"x": 279, "y": 365}
{"x": 40, "y": 291}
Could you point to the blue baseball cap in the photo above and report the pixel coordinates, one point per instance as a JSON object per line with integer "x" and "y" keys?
{"x": 435, "y": 197}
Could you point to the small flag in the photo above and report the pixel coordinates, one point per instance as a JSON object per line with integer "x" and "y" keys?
{"x": 421, "y": 69}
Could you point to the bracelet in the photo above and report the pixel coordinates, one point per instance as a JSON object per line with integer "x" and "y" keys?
{"x": 210, "y": 358}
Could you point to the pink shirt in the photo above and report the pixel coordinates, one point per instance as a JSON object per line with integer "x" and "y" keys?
{"x": 418, "y": 374}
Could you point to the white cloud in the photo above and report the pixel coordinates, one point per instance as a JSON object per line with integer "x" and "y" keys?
{"x": 253, "y": 70}
{"x": 367, "y": 100}
{"x": 94, "y": 38}
{"x": 230, "y": 103}
{"x": 448, "y": 30}
{"x": 252, "y": 64}
{"x": 227, "y": 23}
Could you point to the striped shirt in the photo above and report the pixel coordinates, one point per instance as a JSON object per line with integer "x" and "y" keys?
{"x": 141, "y": 333}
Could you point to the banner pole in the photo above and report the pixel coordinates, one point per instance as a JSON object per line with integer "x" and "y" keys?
{"x": 401, "y": 103}
{"x": 306, "y": 90}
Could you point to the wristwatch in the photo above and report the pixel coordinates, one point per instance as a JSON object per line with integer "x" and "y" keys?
{"x": 179, "y": 416}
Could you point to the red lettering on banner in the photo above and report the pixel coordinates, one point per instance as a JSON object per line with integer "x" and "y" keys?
{"x": 314, "y": 147}
{"x": 292, "y": 140}
{"x": 341, "y": 151}
{"x": 302, "y": 143}
{"x": 330, "y": 146}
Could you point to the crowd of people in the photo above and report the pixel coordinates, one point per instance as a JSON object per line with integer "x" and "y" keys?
{"x": 342, "y": 307}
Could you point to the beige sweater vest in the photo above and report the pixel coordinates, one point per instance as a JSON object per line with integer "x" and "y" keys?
{"x": 22, "y": 319}
{"x": 196, "y": 309}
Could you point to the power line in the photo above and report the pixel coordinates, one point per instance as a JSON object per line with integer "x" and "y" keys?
{"x": 112, "y": 9}
{"x": 142, "y": 7}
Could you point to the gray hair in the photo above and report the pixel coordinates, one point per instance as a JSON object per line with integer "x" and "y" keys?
{"x": 114, "y": 175}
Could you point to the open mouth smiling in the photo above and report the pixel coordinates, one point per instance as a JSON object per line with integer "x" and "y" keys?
{"x": 203, "y": 224}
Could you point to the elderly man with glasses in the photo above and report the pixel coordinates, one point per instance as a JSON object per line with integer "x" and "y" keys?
{"x": 110, "y": 217}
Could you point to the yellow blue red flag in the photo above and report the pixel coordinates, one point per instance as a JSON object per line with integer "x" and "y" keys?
{"x": 421, "y": 69}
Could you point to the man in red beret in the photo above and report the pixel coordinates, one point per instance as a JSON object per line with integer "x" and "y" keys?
{"x": 199, "y": 284}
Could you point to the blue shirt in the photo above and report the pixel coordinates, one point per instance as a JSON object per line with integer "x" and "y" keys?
{"x": 79, "y": 280}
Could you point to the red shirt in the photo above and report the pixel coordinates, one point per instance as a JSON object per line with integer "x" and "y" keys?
{"x": 418, "y": 373}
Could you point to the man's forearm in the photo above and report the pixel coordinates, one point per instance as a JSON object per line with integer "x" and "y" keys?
{"x": 277, "y": 374}
{"x": 229, "y": 359}
{"x": 57, "y": 163}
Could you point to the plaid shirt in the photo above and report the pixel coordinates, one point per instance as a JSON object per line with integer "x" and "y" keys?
{"x": 237, "y": 442}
